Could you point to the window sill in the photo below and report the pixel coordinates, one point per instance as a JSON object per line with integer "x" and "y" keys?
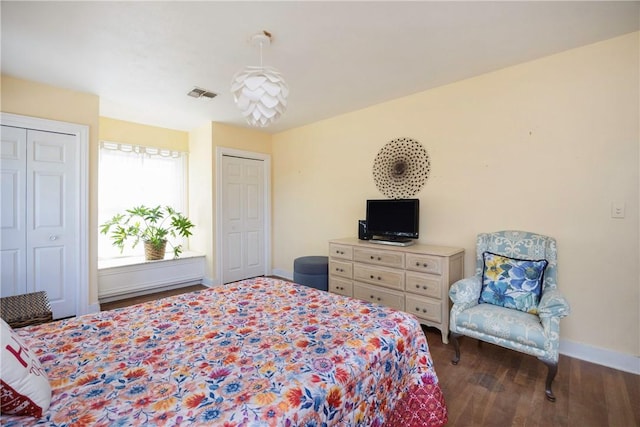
{"x": 138, "y": 260}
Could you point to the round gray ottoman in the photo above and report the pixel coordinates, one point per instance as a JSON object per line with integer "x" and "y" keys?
{"x": 312, "y": 271}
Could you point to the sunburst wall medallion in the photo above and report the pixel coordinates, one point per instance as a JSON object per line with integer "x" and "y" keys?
{"x": 401, "y": 168}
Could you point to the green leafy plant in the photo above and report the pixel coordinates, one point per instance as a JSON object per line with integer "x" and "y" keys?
{"x": 151, "y": 225}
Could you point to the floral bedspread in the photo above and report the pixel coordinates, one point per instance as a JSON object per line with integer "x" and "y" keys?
{"x": 260, "y": 352}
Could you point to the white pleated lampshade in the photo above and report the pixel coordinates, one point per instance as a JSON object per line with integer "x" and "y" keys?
{"x": 260, "y": 93}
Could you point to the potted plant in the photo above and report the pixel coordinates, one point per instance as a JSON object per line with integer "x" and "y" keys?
{"x": 152, "y": 226}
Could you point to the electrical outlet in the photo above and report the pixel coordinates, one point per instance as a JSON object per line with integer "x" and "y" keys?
{"x": 617, "y": 209}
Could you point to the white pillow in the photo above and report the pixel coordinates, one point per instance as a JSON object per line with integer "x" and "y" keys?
{"x": 24, "y": 386}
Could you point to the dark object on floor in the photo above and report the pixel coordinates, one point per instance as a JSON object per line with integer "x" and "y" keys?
{"x": 26, "y": 309}
{"x": 312, "y": 271}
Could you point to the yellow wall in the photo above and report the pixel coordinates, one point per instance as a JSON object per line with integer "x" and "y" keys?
{"x": 201, "y": 194}
{"x": 33, "y": 99}
{"x": 241, "y": 138}
{"x": 203, "y": 143}
{"x": 544, "y": 146}
{"x": 137, "y": 134}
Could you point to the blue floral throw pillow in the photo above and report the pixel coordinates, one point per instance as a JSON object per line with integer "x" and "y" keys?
{"x": 512, "y": 283}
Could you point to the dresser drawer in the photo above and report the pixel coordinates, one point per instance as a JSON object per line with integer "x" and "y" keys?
{"x": 340, "y": 251}
{"x": 341, "y": 286}
{"x": 379, "y": 257}
{"x": 429, "y": 285}
{"x": 339, "y": 268}
{"x": 379, "y": 276}
{"x": 424, "y": 263}
{"x": 426, "y": 308}
{"x": 378, "y": 295}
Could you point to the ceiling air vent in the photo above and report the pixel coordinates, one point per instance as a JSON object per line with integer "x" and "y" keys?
{"x": 197, "y": 92}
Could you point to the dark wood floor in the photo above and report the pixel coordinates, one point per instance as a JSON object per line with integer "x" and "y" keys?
{"x": 492, "y": 386}
{"x": 149, "y": 297}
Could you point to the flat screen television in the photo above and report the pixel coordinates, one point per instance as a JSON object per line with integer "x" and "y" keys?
{"x": 393, "y": 220}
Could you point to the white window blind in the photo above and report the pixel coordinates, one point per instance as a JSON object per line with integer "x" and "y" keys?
{"x": 131, "y": 175}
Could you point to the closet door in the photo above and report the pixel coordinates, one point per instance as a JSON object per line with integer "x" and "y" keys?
{"x": 40, "y": 209}
{"x": 13, "y": 240}
{"x": 243, "y": 222}
{"x": 51, "y": 214}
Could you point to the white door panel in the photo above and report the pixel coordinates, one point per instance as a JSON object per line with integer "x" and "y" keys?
{"x": 243, "y": 223}
{"x": 51, "y": 216}
{"x": 13, "y": 151}
{"x": 234, "y": 249}
{"x": 13, "y": 272}
{"x": 49, "y": 210}
{"x": 254, "y": 254}
{"x": 49, "y": 275}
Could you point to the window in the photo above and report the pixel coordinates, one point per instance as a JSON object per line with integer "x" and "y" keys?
{"x": 131, "y": 176}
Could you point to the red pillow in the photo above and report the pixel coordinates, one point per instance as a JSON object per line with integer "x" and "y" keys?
{"x": 24, "y": 386}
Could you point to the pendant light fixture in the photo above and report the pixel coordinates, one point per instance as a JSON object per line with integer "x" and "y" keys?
{"x": 260, "y": 92}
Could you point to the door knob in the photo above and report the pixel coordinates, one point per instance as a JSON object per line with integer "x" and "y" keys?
{"x": 52, "y": 237}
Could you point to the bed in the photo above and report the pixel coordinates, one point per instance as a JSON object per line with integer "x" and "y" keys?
{"x": 259, "y": 352}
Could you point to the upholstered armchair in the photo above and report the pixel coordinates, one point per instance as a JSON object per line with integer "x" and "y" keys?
{"x": 499, "y": 304}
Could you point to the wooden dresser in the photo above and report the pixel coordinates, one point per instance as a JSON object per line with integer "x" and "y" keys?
{"x": 414, "y": 279}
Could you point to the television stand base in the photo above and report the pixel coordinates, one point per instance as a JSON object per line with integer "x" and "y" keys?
{"x": 407, "y": 242}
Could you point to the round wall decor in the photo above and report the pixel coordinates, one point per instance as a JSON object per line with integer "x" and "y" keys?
{"x": 401, "y": 168}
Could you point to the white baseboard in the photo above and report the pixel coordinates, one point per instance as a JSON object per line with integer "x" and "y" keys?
{"x": 282, "y": 273}
{"x": 601, "y": 356}
{"x": 209, "y": 282}
{"x": 93, "y": 308}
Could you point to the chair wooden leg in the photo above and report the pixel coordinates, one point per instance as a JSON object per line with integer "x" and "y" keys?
{"x": 456, "y": 346}
{"x": 551, "y": 374}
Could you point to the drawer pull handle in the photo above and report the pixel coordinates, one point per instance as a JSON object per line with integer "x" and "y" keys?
{"x": 379, "y": 278}
{"x": 379, "y": 299}
{"x": 424, "y": 310}
{"x": 371, "y": 277}
{"x": 417, "y": 286}
{"x": 371, "y": 296}
{"x": 425, "y": 287}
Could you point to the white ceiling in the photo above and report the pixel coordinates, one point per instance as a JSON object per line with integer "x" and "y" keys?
{"x": 142, "y": 58}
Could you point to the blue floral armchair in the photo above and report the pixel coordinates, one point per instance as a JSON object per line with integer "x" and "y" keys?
{"x": 499, "y": 313}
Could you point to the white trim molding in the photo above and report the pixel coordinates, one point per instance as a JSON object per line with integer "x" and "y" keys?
{"x": 282, "y": 273}
{"x": 612, "y": 359}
